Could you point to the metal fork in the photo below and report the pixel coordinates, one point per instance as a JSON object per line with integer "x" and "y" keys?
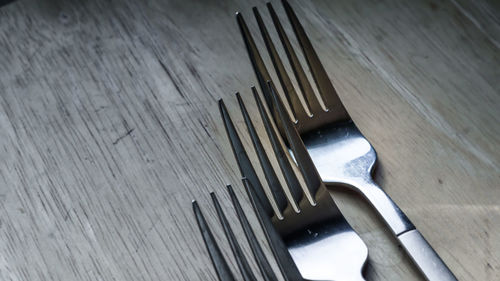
{"x": 341, "y": 154}
{"x": 220, "y": 264}
{"x": 307, "y": 221}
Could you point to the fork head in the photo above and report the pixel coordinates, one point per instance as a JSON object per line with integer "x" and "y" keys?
{"x": 320, "y": 241}
{"x": 338, "y": 149}
{"x": 220, "y": 264}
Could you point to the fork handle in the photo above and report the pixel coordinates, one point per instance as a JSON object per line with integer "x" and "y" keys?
{"x": 424, "y": 256}
{"x": 415, "y": 245}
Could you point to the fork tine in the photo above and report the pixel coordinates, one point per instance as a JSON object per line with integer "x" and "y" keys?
{"x": 220, "y": 264}
{"x": 246, "y": 271}
{"x": 280, "y": 251}
{"x": 258, "y": 65}
{"x": 290, "y": 177}
{"x": 262, "y": 262}
{"x": 304, "y": 162}
{"x": 257, "y": 62}
{"x": 272, "y": 179}
{"x": 305, "y": 87}
{"x": 244, "y": 164}
{"x": 325, "y": 87}
{"x": 299, "y": 112}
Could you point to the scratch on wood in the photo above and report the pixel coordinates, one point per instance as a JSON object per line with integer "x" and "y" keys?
{"x": 121, "y": 137}
{"x": 171, "y": 78}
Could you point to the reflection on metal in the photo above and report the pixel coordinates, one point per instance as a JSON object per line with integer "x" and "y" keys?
{"x": 339, "y": 151}
{"x": 315, "y": 233}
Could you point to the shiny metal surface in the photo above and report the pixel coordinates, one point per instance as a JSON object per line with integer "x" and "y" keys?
{"x": 318, "y": 239}
{"x": 424, "y": 256}
{"x": 343, "y": 156}
{"x": 340, "y": 153}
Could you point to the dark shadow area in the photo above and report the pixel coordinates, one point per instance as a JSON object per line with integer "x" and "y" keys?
{"x": 5, "y": 2}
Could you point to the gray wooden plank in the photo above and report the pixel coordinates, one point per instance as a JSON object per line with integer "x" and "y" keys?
{"x": 109, "y": 127}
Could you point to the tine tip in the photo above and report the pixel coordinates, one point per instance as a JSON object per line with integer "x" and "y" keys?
{"x": 240, "y": 101}
{"x": 222, "y": 105}
{"x": 230, "y": 190}
{"x": 254, "y": 91}
{"x": 245, "y": 181}
{"x": 286, "y": 5}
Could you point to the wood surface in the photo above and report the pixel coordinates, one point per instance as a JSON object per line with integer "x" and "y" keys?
{"x": 109, "y": 127}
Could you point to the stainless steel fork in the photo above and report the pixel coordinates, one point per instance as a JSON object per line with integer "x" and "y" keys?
{"x": 307, "y": 222}
{"x": 340, "y": 153}
{"x": 220, "y": 264}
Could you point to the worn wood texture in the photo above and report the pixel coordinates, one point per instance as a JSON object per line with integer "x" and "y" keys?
{"x": 109, "y": 127}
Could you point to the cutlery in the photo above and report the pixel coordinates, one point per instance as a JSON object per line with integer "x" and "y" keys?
{"x": 220, "y": 263}
{"x": 339, "y": 151}
{"x": 306, "y": 221}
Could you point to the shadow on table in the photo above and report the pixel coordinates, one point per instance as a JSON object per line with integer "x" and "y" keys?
{"x": 5, "y": 2}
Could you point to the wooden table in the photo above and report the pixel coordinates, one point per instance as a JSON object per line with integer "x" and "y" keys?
{"x": 109, "y": 128}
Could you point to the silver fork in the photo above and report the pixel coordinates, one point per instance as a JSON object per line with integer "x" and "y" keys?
{"x": 340, "y": 153}
{"x": 220, "y": 264}
{"x": 307, "y": 221}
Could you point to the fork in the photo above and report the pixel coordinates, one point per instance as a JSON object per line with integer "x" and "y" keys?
{"x": 305, "y": 221}
{"x": 220, "y": 263}
{"x": 339, "y": 151}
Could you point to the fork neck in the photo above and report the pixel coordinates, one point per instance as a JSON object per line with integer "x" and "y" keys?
{"x": 395, "y": 219}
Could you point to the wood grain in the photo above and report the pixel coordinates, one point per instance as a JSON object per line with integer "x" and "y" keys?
{"x": 109, "y": 128}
